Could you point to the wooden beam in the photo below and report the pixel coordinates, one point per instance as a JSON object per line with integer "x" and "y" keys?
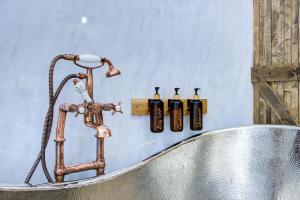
{"x": 256, "y": 32}
{"x": 295, "y": 31}
{"x": 276, "y": 103}
{"x": 267, "y": 38}
{"x": 255, "y": 103}
{"x": 277, "y": 72}
{"x": 261, "y": 31}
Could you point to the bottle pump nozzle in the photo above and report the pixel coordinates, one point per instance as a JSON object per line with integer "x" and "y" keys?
{"x": 176, "y": 96}
{"x": 156, "y": 95}
{"x": 156, "y": 90}
{"x": 196, "y": 96}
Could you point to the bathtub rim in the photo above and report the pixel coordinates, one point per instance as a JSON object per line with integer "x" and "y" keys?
{"x": 106, "y": 177}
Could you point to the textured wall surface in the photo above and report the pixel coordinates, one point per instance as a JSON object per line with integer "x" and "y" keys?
{"x": 257, "y": 162}
{"x": 182, "y": 43}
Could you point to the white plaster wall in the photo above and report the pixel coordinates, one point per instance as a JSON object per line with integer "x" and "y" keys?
{"x": 166, "y": 43}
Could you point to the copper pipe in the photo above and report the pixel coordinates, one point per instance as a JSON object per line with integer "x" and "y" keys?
{"x": 100, "y": 151}
{"x": 89, "y": 82}
{"x": 100, "y": 156}
{"x": 78, "y": 168}
{"x": 82, "y": 167}
{"x": 100, "y": 147}
{"x": 99, "y": 118}
{"x": 89, "y": 117}
{"x": 60, "y": 138}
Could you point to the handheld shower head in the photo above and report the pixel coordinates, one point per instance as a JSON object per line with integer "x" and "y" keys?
{"x": 87, "y": 58}
{"x": 112, "y": 71}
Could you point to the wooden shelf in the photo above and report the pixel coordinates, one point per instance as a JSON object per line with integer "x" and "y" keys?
{"x": 139, "y": 106}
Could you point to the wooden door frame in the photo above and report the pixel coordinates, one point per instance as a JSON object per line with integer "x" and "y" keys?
{"x": 265, "y": 71}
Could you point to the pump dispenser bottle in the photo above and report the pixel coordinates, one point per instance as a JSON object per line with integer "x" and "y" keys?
{"x": 176, "y": 112}
{"x": 195, "y": 107}
{"x": 156, "y": 109}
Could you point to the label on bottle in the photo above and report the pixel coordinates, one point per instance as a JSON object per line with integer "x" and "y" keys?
{"x": 199, "y": 120}
{"x": 159, "y": 121}
{"x": 178, "y": 120}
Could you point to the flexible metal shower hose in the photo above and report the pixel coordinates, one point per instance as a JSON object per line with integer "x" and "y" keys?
{"x": 48, "y": 121}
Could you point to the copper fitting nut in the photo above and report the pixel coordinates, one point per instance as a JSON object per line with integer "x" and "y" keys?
{"x": 69, "y": 56}
{"x": 59, "y": 172}
{"x": 81, "y": 76}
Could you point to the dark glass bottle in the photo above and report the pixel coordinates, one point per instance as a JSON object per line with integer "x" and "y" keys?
{"x": 196, "y": 112}
{"x": 156, "y": 109}
{"x": 175, "y": 107}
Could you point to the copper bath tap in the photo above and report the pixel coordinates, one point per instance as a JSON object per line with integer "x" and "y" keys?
{"x": 91, "y": 111}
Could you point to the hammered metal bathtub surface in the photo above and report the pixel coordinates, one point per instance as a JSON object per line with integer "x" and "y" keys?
{"x": 258, "y": 162}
